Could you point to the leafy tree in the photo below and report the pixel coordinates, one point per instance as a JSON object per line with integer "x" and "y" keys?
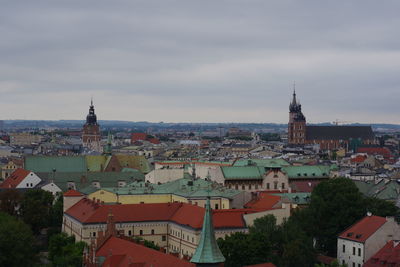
{"x": 64, "y": 252}
{"x": 335, "y": 205}
{"x": 380, "y": 207}
{"x": 36, "y": 209}
{"x": 16, "y": 243}
{"x": 284, "y": 245}
{"x": 10, "y": 200}
{"x": 238, "y": 249}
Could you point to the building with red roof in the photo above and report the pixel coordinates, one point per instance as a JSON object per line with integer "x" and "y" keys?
{"x": 176, "y": 227}
{"x": 388, "y": 256}
{"x": 384, "y": 152}
{"x": 363, "y": 239}
{"x": 137, "y": 137}
{"x": 21, "y": 178}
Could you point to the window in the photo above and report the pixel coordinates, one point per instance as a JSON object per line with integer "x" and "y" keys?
{"x": 164, "y": 238}
{"x": 192, "y": 239}
{"x": 256, "y": 186}
{"x": 275, "y": 185}
{"x": 152, "y": 231}
{"x": 94, "y": 234}
{"x": 354, "y": 250}
{"x": 267, "y": 185}
{"x": 129, "y": 232}
{"x": 216, "y": 206}
{"x": 249, "y": 186}
{"x": 236, "y": 187}
{"x": 359, "y": 251}
{"x": 141, "y": 232}
{"x": 243, "y": 187}
{"x": 354, "y": 264}
{"x": 283, "y": 185}
{"x": 344, "y": 248}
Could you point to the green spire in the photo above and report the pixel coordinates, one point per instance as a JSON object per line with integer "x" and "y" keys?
{"x": 108, "y": 147}
{"x": 207, "y": 251}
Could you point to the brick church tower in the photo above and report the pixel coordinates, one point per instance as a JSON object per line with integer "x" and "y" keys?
{"x": 297, "y": 123}
{"x": 91, "y": 136}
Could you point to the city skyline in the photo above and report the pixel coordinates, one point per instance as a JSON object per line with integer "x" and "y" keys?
{"x": 189, "y": 62}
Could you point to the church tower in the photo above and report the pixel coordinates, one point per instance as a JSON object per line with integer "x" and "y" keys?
{"x": 297, "y": 122}
{"x": 91, "y": 136}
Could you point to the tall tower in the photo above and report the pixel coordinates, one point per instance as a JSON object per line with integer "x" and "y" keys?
{"x": 91, "y": 131}
{"x": 297, "y": 122}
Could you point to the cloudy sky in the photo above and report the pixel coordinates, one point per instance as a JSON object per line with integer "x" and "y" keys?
{"x": 200, "y": 61}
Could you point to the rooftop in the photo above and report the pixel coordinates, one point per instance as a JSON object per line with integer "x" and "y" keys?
{"x": 363, "y": 229}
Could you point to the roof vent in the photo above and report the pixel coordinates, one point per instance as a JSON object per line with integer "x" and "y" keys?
{"x": 369, "y": 214}
{"x": 358, "y": 236}
{"x": 349, "y": 234}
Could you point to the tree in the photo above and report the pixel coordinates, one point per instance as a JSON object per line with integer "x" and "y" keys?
{"x": 64, "y": 252}
{"x": 284, "y": 245}
{"x": 238, "y": 249}
{"x": 16, "y": 242}
{"x": 335, "y": 205}
{"x": 380, "y": 207}
{"x": 36, "y": 209}
{"x": 10, "y": 200}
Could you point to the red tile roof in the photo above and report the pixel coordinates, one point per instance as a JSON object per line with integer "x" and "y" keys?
{"x": 303, "y": 186}
{"x": 363, "y": 229}
{"x": 388, "y": 256}
{"x": 15, "y": 178}
{"x": 385, "y": 152}
{"x": 72, "y": 193}
{"x": 264, "y": 201}
{"x": 120, "y": 252}
{"x": 138, "y": 137}
{"x": 358, "y": 159}
{"x": 88, "y": 211}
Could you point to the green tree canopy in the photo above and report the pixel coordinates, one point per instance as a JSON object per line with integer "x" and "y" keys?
{"x": 64, "y": 252}
{"x": 10, "y": 200}
{"x": 16, "y": 243}
{"x": 36, "y": 209}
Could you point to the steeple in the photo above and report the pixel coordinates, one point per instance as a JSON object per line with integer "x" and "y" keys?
{"x": 108, "y": 147}
{"x": 207, "y": 252}
{"x": 91, "y": 118}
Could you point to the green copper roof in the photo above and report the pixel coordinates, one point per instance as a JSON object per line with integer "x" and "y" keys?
{"x": 268, "y": 163}
{"x": 60, "y": 164}
{"x": 307, "y": 172}
{"x": 185, "y": 187}
{"x": 85, "y": 179}
{"x": 389, "y": 190}
{"x": 207, "y": 250}
{"x": 245, "y": 172}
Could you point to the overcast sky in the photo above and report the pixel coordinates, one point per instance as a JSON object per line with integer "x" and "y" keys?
{"x": 200, "y": 61}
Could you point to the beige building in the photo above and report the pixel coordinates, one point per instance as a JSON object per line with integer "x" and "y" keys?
{"x": 24, "y": 139}
{"x": 176, "y": 227}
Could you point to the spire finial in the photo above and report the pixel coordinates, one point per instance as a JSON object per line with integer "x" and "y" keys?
{"x": 91, "y": 101}
{"x": 294, "y": 87}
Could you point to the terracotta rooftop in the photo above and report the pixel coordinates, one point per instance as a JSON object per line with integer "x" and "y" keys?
{"x": 388, "y": 256}
{"x": 88, "y": 211}
{"x": 15, "y": 178}
{"x": 72, "y": 193}
{"x": 363, "y": 229}
{"x": 264, "y": 201}
{"x": 131, "y": 254}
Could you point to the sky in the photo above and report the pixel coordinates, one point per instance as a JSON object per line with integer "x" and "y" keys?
{"x": 200, "y": 61}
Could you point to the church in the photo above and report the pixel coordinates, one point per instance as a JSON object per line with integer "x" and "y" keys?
{"x": 327, "y": 137}
{"x": 91, "y": 137}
